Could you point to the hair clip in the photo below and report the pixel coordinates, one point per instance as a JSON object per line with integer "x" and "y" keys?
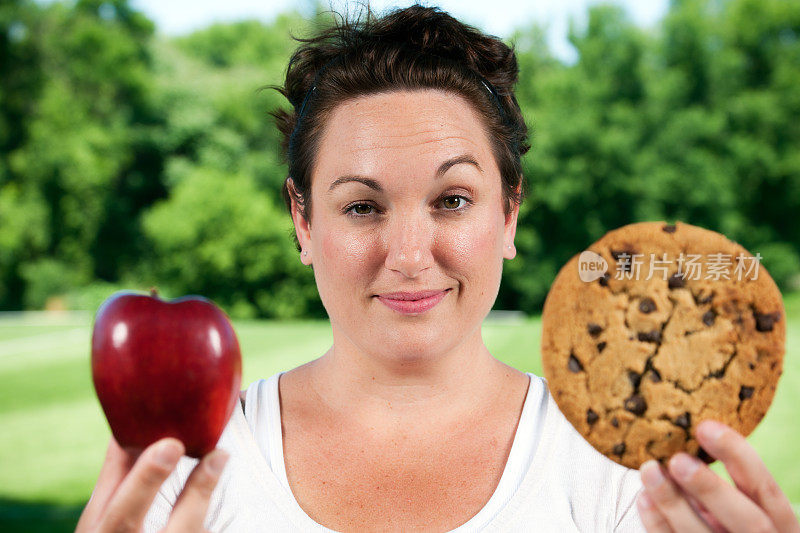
{"x": 305, "y": 101}
{"x": 489, "y": 87}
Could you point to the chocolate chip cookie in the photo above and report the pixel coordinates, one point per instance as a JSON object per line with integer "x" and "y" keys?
{"x": 655, "y": 328}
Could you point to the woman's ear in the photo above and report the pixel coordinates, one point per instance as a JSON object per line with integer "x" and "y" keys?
{"x": 509, "y": 250}
{"x": 302, "y": 227}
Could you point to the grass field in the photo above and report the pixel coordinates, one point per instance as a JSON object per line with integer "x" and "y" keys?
{"x": 53, "y": 433}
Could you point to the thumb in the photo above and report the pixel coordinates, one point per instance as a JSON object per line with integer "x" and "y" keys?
{"x": 116, "y": 465}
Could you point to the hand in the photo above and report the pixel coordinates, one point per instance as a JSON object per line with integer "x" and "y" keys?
{"x": 127, "y": 486}
{"x": 688, "y": 496}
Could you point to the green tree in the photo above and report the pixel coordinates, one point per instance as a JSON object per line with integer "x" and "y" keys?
{"x": 23, "y": 214}
{"x": 129, "y": 159}
{"x": 586, "y": 128}
{"x": 220, "y": 236}
{"x": 75, "y": 143}
{"x": 695, "y": 123}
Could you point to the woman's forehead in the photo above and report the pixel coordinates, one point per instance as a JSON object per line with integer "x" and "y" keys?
{"x": 419, "y": 127}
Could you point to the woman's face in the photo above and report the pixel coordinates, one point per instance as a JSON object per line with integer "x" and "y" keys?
{"x": 406, "y": 197}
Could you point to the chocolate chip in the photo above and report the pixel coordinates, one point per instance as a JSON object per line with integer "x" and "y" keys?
{"x": 573, "y": 364}
{"x": 655, "y": 377}
{"x": 700, "y": 300}
{"x": 603, "y": 281}
{"x": 669, "y": 228}
{"x": 647, "y": 306}
{"x": 745, "y": 392}
{"x": 601, "y": 346}
{"x": 676, "y": 281}
{"x": 751, "y": 365}
{"x": 591, "y": 417}
{"x": 615, "y": 422}
{"x": 650, "y": 336}
{"x": 627, "y": 263}
{"x": 766, "y": 321}
{"x": 684, "y": 420}
{"x": 703, "y": 456}
{"x": 708, "y": 318}
{"x": 636, "y": 405}
{"x": 619, "y": 449}
{"x": 594, "y": 329}
{"x": 635, "y": 378}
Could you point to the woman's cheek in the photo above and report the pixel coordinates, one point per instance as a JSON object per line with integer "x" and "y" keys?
{"x": 347, "y": 254}
{"x": 469, "y": 243}
{"x": 472, "y": 254}
{"x": 359, "y": 247}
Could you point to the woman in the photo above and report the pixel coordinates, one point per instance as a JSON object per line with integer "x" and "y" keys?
{"x": 405, "y": 181}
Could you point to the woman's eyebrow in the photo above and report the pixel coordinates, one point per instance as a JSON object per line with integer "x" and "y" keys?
{"x": 443, "y": 168}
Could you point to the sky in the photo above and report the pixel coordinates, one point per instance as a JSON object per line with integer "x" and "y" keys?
{"x": 176, "y": 17}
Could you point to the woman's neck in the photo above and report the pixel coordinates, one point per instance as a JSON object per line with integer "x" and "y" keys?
{"x": 426, "y": 394}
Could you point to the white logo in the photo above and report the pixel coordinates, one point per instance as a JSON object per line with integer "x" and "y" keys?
{"x": 591, "y": 266}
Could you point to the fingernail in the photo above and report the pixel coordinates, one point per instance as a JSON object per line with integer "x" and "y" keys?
{"x": 683, "y": 466}
{"x": 167, "y": 453}
{"x": 651, "y": 474}
{"x": 710, "y": 430}
{"x": 216, "y": 463}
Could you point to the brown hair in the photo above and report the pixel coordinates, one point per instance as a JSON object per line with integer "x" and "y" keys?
{"x": 412, "y": 48}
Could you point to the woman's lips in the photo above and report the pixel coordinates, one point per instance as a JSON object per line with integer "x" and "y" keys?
{"x": 413, "y": 307}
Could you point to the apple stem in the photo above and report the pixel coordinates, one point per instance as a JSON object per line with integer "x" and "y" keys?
{"x": 153, "y": 292}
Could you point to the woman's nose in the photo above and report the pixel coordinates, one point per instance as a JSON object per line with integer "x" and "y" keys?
{"x": 409, "y": 245}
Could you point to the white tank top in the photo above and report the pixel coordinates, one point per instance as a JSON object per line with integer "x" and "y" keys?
{"x": 553, "y": 479}
{"x": 270, "y": 443}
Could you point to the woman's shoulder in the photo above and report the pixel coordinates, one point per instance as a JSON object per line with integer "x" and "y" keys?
{"x": 258, "y": 390}
{"x": 570, "y": 445}
{"x": 566, "y": 459}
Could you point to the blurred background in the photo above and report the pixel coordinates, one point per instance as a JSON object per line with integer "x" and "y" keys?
{"x": 136, "y": 151}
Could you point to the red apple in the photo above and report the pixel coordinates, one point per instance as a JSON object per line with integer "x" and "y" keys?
{"x": 165, "y": 369}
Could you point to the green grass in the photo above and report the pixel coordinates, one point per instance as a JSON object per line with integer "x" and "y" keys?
{"x": 53, "y": 433}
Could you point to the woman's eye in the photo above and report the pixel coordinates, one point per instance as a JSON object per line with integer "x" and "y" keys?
{"x": 357, "y": 208}
{"x": 360, "y": 210}
{"x": 456, "y": 203}
{"x": 453, "y": 202}
{"x": 450, "y": 203}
